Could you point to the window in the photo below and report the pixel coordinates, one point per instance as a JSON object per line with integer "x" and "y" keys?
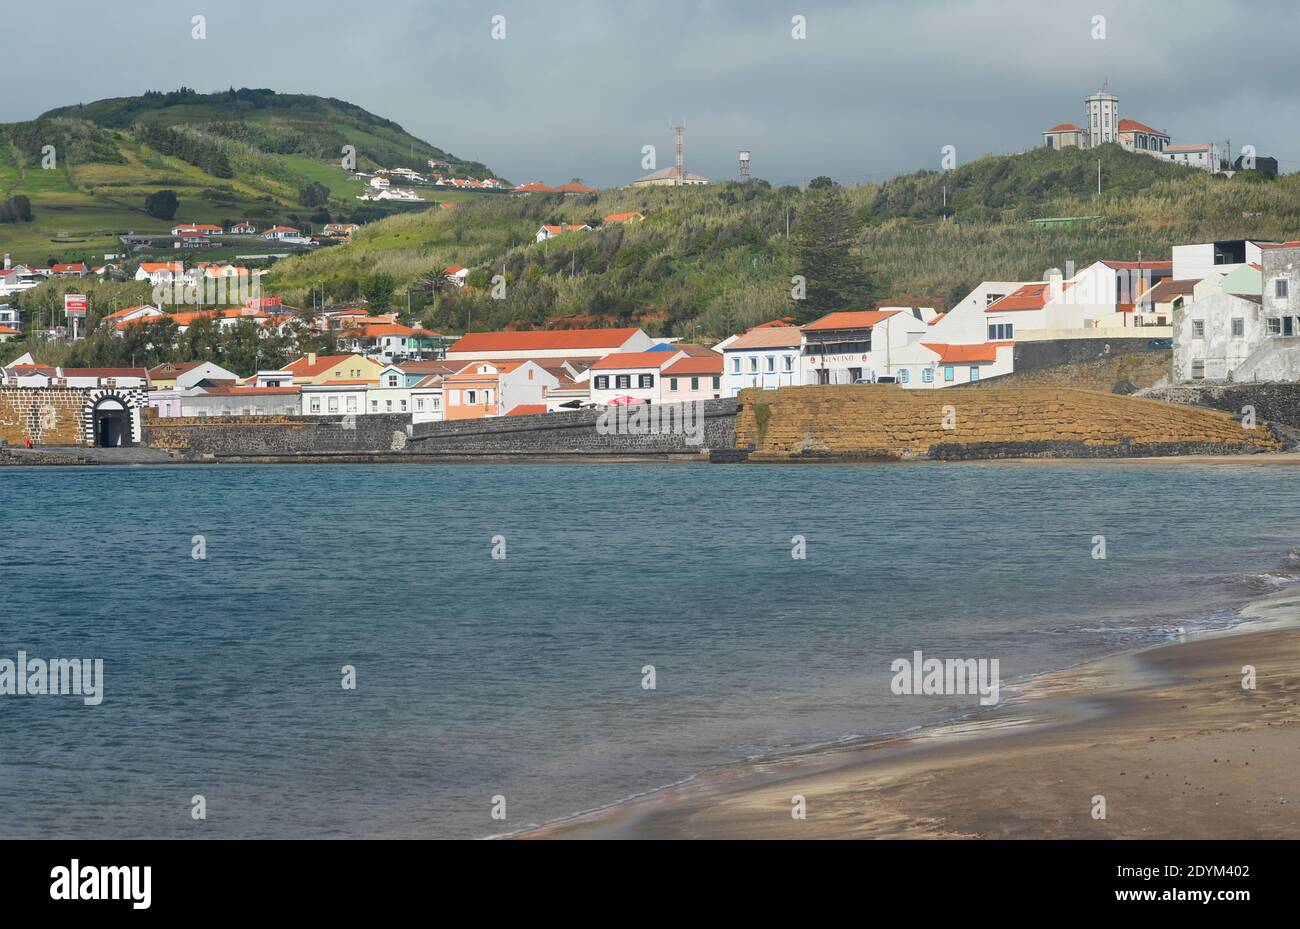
{"x": 695, "y": 383}
{"x": 471, "y": 397}
{"x": 927, "y": 375}
{"x": 974, "y": 373}
{"x": 771, "y": 363}
{"x": 487, "y": 397}
{"x": 352, "y": 404}
{"x": 1000, "y": 332}
{"x": 672, "y": 383}
{"x": 735, "y": 365}
{"x": 392, "y": 380}
{"x": 374, "y": 406}
{"x": 903, "y": 376}
{"x": 646, "y": 380}
{"x": 403, "y": 405}
{"x": 315, "y": 404}
{"x": 1238, "y": 328}
{"x": 990, "y": 299}
{"x": 1279, "y": 288}
{"x": 437, "y": 404}
{"x": 419, "y": 404}
{"x": 622, "y": 381}
{"x": 717, "y": 382}
{"x": 602, "y": 382}
{"x": 753, "y": 364}
{"x": 1198, "y": 370}
{"x": 1198, "y": 329}
{"x": 1274, "y": 325}
{"x": 948, "y": 374}
{"x": 388, "y": 406}
{"x": 789, "y": 362}
{"x": 334, "y": 404}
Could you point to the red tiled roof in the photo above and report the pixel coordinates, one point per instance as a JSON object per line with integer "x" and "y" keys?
{"x": 622, "y": 217}
{"x": 980, "y": 353}
{"x": 1065, "y": 127}
{"x": 768, "y": 337}
{"x": 543, "y": 340}
{"x": 1132, "y": 125}
{"x": 697, "y": 364}
{"x": 574, "y": 187}
{"x": 849, "y": 319}
{"x": 620, "y": 360}
{"x": 527, "y": 409}
{"x": 1028, "y": 297}
{"x": 126, "y": 311}
{"x": 301, "y": 368}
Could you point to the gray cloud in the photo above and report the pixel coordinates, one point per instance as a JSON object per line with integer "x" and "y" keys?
{"x": 578, "y": 87}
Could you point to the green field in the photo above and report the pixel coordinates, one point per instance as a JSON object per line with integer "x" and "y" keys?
{"x": 105, "y": 171}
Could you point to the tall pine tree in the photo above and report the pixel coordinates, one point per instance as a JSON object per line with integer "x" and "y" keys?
{"x": 836, "y": 278}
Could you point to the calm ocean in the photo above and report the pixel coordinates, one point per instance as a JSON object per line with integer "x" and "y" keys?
{"x": 522, "y": 677}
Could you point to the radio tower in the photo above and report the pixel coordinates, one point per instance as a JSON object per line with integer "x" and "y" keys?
{"x": 680, "y": 131}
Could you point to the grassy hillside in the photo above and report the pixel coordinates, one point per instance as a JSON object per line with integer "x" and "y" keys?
{"x": 240, "y": 154}
{"x": 709, "y": 260}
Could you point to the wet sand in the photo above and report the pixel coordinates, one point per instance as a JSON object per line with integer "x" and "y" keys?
{"x": 1168, "y": 736}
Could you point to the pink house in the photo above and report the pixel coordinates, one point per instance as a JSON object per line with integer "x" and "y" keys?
{"x": 694, "y": 377}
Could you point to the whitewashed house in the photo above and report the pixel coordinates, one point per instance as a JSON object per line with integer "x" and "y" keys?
{"x": 766, "y": 357}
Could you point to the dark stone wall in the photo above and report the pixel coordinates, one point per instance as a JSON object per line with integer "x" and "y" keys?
{"x": 571, "y": 433}
{"x": 1032, "y": 356}
{"x": 1279, "y": 403}
{"x": 252, "y": 436}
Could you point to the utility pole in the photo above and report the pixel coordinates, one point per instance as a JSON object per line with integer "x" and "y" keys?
{"x": 1099, "y": 177}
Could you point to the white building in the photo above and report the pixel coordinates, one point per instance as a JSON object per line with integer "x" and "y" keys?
{"x": 1205, "y": 156}
{"x": 630, "y": 377}
{"x": 1198, "y": 261}
{"x": 856, "y": 346}
{"x": 766, "y": 357}
{"x": 334, "y": 399}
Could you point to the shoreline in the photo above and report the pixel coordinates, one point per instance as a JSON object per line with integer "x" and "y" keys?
{"x": 1165, "y": 733}
{"x": 64, "y": 457}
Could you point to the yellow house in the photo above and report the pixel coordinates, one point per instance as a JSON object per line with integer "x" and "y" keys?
{"x": 318, "y": 369}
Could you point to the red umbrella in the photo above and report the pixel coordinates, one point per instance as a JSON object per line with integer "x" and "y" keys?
{"x": 624, "y": 401}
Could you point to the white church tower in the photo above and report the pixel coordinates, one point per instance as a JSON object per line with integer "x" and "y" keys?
{"x": 1101, "y": 118}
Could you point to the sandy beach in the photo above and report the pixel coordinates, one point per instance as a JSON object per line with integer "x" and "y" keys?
{"x": 1169, "y": 736}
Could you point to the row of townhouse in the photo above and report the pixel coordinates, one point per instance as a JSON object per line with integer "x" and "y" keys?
{"x": 547, "y": 232}
{"x": 16, "y": 277}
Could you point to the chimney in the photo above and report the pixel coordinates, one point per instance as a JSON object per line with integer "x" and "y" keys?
{"x": 1054, "y": 283}
{"x": 311, "y": 359}
{"x": 8, "y": 261}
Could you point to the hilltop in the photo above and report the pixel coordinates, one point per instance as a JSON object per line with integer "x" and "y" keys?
{"x": 232, "y": 155}
{"x": 709, "y": 260}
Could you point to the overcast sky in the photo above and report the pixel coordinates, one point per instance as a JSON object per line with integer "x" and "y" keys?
{"x": 577, "y": 87}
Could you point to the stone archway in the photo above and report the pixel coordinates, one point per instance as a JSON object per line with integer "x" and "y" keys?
{"x": 111, "y": 423}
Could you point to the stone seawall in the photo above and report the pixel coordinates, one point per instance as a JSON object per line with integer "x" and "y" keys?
{"x": 1278, "y": 402}
{"x": 576, "y": 433}
{"x": 208, "y": 438}
{"x": 1035, "y": 356}
{"x": 886, "y": 422}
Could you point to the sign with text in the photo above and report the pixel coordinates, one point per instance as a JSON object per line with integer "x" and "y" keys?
{"x": 75, "y": 305}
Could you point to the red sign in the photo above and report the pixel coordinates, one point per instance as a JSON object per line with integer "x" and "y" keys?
{"x": 74, "y": 305}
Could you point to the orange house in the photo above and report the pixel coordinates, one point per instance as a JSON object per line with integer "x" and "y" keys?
{"x": 493, "y": 388}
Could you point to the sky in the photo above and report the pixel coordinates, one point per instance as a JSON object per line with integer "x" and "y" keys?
{"x": 577, "y": 88}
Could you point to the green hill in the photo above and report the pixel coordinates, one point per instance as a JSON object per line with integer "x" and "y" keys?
{"x": 237, "y": 154}
{"x": 710, "y": 260}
